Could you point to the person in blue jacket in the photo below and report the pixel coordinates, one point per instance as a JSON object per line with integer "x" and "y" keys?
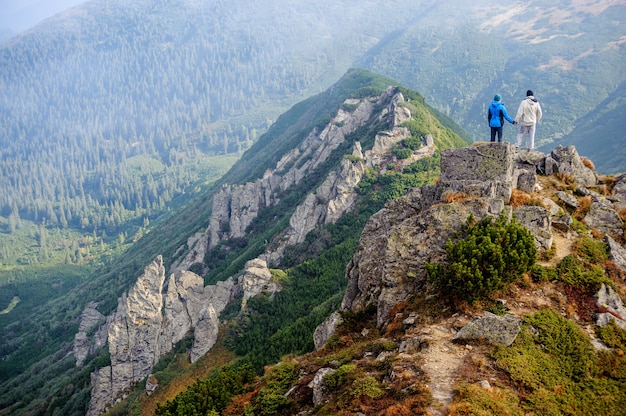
{"x": 495, "y": 116}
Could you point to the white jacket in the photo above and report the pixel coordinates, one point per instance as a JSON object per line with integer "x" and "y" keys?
{"x": 529, "y": 112}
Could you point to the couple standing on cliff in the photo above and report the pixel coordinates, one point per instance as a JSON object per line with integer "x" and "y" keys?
{"x": 528, "y": 115}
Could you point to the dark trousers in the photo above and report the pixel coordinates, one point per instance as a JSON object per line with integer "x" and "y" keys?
{"x": 495, "y": 130}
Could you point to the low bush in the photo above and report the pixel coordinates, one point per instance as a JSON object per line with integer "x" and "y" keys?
{"x": 487, "y": 256}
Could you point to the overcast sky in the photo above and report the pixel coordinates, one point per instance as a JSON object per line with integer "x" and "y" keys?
{"x": 19, "y": 15}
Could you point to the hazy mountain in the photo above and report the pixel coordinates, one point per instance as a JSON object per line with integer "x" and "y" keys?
{"x": 122, "y": 101}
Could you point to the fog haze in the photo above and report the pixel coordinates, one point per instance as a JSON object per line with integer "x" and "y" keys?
{"x": 19, "y": 15}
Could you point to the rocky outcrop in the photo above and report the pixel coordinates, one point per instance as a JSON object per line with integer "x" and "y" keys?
{"x": 255, "y": 279}
{"x": 236, "y": 206}
{"x": 183, "y": 302}
{"x": 326, "y": 329}
{"x": 399, "y": 240}
{"x": 84, "y": 344}
{"x": 133, "y": 338}
{"x": 148, "y": 323}
{"x": 567, "y": 161}
{"x": 205, "y": 334}
{"x": 137, "y": 339}
{"x": 388, "y": 266}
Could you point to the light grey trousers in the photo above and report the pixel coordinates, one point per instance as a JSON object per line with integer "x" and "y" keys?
{"x": 523, "y": 131}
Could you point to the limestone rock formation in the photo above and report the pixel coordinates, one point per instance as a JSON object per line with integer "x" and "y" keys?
{"x": 236, "y": 206}
{"x": 255, "y": 279}
{"x": 397, "y": 241}
{"x": 89, "y": 319}
{"x": 205, "y": 334}
{"x": 148, "y": 323}
{"x": 133, "y": 338}
{"x": 139, "y": 334}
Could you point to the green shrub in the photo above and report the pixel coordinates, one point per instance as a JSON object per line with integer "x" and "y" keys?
{"x": 575, "y": 272}
{"x": 541, "y": 273}
{"x": 338, "y": 378}
{"x": 488, "y": 256}
{"x": 271, "y": 399}
{"x": 401, "y": 153}
{"x": 554, "y": 365}
{"x": 472, "y": 399}
{"x": 591, "y": 251}
{"x": 366, "y": 386}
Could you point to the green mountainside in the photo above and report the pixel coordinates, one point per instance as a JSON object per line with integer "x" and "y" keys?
{"x": 120, "y": 120}
{"x": 51, "y": 318}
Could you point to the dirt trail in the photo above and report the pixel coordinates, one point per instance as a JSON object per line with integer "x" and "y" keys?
{"x": 442, "y": 359}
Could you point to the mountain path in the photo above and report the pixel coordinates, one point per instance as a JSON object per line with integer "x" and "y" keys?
{"x": 442, "y": 359}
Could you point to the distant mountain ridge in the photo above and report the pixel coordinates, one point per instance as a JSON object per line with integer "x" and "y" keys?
{"x": 93, "y": 93}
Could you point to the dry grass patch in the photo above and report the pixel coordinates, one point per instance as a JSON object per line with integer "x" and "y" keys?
{"x": 584, "y": 205}
{"x": 450, "y": 197}
{"x": 520, "y": 198}
{"x": 588, "y": 163}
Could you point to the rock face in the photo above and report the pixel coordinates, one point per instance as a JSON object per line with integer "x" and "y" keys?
{"x": 399, "y": 240}
{"x": 255, "y": 279}
{"x": 133, "y": 338}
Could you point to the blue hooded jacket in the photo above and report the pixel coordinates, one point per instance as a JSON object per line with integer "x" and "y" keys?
{"x": 497, "y": 113}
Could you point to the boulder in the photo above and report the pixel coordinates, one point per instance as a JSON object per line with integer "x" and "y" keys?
{"x": 603, "y": 217}
{"x": 491, "y": 328}
{"x": 568, "y": 200}
{"x": 205, "y": 333}
{"x": 568, "y": 161}
{"x": 612, "y": 303}
{"x": 318, "y": 384}
{"x": 537, "y": 220}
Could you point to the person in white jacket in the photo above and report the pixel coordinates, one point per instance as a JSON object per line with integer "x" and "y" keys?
{"x": 528, "y": 115}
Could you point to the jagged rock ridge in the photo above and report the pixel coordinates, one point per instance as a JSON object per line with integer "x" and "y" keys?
{"x": 139, "y": 333}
